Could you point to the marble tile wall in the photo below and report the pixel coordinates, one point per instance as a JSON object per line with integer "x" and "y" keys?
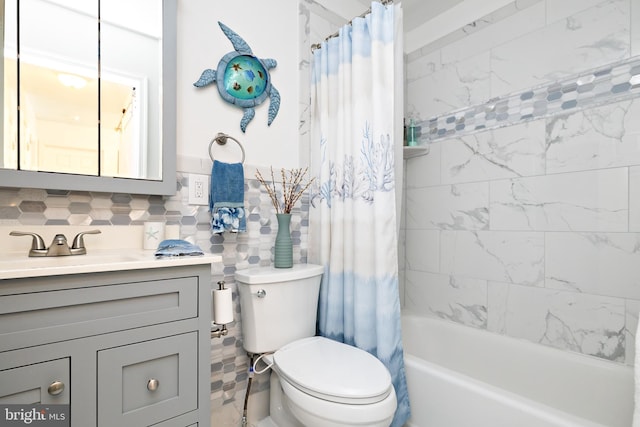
{"x": 529, "y": 228}
{"x": 614, "y": 82}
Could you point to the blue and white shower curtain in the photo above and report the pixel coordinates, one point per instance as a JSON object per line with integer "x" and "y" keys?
{"x": 353, "y": 229}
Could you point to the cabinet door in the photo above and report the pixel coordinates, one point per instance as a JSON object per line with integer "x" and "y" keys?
{"x": 41, "y": 383}
{"x": 144, "y": 383}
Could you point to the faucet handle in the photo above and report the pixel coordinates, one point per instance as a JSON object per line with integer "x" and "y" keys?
{"x": 78, "y": 241}
{"x": 36, "y": 244}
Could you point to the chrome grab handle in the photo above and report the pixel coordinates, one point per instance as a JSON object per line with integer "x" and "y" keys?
{"x": 55, "y": 388}
{"x": 261, "y": 293}
{"x": 153, "y": 384}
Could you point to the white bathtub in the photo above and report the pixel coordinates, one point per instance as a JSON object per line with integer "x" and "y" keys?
{"x": 463, "y": 377}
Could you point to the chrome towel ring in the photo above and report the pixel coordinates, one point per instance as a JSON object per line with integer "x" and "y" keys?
{"x": 221, "y": 139}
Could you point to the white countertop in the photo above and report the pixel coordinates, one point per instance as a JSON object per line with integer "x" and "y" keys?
{"x": 20, "y": 265}
{"x": 117, "y": 248}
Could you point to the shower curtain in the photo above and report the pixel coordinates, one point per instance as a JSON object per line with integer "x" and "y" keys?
{"x": 352, "y": 230}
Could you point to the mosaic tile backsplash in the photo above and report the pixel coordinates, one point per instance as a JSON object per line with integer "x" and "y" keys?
{"x": 607, "y": 84}
{"x": 254, "y": 247}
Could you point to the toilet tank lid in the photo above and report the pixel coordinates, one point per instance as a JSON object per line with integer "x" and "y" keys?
{"x": 270, "y": 274}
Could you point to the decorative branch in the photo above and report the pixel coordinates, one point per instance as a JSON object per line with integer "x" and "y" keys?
{"x": 292, "y": 188}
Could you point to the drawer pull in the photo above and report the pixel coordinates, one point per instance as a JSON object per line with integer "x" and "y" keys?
{"x": 153, "y": 384}
{"x": 55, "y": 388}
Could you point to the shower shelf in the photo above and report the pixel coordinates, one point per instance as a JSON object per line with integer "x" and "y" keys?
{"x": 414, "y": 151}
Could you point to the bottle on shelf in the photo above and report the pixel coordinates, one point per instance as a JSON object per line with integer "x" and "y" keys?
{"x": 411, "y": 134}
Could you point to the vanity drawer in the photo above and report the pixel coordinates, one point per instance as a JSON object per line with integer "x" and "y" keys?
{"x": 144, "y": 383}
{"x": 176, "y": 422}
{"x": 40, "y": 383}
{"x": 42, "y": 317}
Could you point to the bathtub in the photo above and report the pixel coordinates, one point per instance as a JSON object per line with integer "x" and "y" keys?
{"x": 458, "y": 376}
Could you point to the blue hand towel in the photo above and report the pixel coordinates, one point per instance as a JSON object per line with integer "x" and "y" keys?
{"x": 226, "y": 200}
{"x": 176, "y": 247}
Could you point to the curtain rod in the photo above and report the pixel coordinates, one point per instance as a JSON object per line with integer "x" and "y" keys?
{"x": 330, "y": 36}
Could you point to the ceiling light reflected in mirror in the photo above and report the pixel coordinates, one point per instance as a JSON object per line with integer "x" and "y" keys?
{"x": 71, "y": 80}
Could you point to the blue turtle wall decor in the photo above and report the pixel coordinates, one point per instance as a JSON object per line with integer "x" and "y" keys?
{"x": 243, "y": 79}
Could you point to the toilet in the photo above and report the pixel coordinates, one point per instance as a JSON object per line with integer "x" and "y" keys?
{"x": 315, "y": 381}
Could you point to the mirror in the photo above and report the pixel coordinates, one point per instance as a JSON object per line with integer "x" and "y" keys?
{"x": 89, "y": 95}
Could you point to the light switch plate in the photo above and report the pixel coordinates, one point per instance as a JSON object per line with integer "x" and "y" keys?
{"x": 198, "y": 189}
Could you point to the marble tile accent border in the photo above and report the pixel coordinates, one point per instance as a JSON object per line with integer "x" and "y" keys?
{"x": 612, "y": 83}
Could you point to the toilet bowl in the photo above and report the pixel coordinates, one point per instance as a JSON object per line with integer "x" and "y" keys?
{"x": 315, "y": 381}
{"x": 329, "y": 384}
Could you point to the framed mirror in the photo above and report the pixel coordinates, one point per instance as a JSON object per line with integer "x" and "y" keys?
{"x": 89, "y": 95}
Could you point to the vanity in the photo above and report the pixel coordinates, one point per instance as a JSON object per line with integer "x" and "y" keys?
{"x": 124, "y": 339}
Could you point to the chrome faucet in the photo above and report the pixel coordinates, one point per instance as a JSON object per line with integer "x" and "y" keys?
{"x": 59, "y": 246}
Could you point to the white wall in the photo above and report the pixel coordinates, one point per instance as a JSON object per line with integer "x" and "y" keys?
{"x": 271, "y": 29}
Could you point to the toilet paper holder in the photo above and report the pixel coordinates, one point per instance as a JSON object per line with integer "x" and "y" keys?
{"x": 222, "y": 331}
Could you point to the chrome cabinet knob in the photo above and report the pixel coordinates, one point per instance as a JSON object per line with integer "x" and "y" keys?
{"x": 55, "y": 388}
{"x": 153, "y": 384}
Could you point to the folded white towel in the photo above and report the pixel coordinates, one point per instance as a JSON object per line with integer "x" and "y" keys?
{"x": 636, "y": 377}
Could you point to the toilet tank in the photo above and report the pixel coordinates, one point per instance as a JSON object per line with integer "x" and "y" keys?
{"x": 278, "y": 305}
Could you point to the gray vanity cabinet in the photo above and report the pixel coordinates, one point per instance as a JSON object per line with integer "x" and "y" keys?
{"x": 123, "y": 348}
{"x": 39, "y": 383}
{"x": 147, "y": 382}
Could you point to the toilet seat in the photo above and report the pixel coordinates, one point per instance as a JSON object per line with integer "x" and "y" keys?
{"x": 313, "y": 412}
{"x": 333, "y": 371}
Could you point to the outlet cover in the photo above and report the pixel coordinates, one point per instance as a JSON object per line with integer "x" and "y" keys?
{"x": 198, "y": 189}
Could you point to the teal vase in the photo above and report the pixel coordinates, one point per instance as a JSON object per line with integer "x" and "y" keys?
{"x": 283, "y": 251}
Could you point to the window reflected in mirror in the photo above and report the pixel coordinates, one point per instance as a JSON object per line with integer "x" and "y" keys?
{"x": 65, "y": 110}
